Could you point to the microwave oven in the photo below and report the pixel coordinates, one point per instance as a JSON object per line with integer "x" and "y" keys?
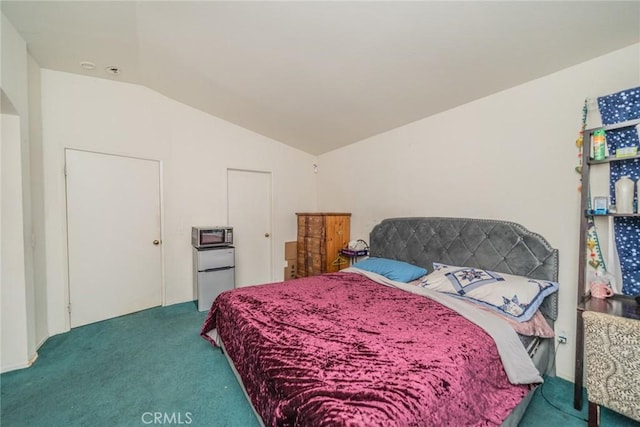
{"x": 210, "y": 237}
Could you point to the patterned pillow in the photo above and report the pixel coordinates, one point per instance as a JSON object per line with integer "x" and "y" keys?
{"x": 516, "y": 297}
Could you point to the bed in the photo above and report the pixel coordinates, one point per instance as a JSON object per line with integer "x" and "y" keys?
{"x": 362, "y": 348}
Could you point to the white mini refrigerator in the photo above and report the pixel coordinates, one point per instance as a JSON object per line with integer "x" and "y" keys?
{"x": 213, "y": 273}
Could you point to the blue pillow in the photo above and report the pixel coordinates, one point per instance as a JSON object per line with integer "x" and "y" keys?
{"x": 392, "y": 269}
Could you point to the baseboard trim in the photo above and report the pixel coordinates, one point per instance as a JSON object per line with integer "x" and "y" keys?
{"x": 33, "y": 359}
{"x": 42, "y": 341}
{"x": 17, "y": 366}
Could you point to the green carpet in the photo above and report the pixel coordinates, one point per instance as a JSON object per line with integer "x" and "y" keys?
{"x": 152, "y": 367}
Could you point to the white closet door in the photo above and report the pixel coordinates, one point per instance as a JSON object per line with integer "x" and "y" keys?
{"x": 114, "y": 242}
{"x": 249, "y": 202}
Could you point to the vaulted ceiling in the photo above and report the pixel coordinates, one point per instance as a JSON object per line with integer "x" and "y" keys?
{"x": 318, "y": 75}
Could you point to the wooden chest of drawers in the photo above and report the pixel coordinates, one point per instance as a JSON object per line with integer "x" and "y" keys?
{"x": 321, "y": 235}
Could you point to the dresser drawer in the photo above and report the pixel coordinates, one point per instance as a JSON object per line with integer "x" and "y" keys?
{"x": 320, "y": 238}
{"x": 311, "y": 226}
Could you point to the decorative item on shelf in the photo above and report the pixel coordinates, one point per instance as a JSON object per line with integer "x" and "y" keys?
{"x": 601, "y": 284}
{"x": 600, "y": 205}
{"x": 599, "y": 290}
{"x": 595, "y": 254}
{"x": 624, "y": 195}
{"x": 626, "y": 152}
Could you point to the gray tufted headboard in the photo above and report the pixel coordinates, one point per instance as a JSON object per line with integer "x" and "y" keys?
{"x": 493, "y": 245}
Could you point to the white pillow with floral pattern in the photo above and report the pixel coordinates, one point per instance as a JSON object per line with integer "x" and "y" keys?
{"x": 516, "y": 297}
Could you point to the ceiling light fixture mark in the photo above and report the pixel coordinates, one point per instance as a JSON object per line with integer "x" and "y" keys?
{"x": 87, "y": 65}
{"x": 113, "y": 70}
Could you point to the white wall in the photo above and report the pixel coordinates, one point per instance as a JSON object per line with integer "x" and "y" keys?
{"x": 37, "y": 204}
{"x": 195, "y": 150}
{"x": 18, "y": 310}
{"x": 13, "y": 296}
{"x": 509, "y": 156}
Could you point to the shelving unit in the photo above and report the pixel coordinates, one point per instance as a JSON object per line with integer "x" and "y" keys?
{"x": 618, "y": 305}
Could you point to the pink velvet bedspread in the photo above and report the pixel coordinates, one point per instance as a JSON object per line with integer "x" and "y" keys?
{"x": 343, "y": 350}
